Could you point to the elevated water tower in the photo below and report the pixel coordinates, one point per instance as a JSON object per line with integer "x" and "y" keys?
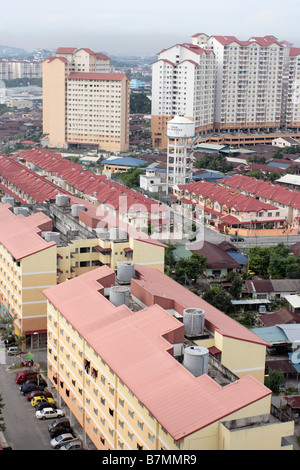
{"x": 180, "y": 134}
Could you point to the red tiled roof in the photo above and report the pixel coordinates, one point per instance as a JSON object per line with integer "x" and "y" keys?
{"x": 294, "y": 51}
{"x": 65, "y": 50}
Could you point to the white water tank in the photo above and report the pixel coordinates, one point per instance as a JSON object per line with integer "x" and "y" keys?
{"x": 119, "y": 295}
{"x": 180, "y": 127}
{"x": 195, "y": 359}
{"x": 52, "y": 237}
{"x": 125, "y": 271}
{"x": 8, "y": 200}
{"x": 117, "y": 234}
{"x": 21, "y": 211}
{"x": 193, "y": 320}
{"x": 61, "y": 200}
{"x": 102, "y": 233}
{"x": 76, "y": 208}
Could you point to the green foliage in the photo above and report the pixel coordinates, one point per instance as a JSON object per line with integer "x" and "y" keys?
{"x": 214, "y": 162}
{"x": 274, "y": 379}
{"x": 236, "y": 286}
{"x": 275, "y": 262}
{"x": 259, "y": 259}
{"x": 217, "y": 297}
{"x": 139, "y": 103}
{"x": 191, "y": 268}
{"x": 131, "y": 178}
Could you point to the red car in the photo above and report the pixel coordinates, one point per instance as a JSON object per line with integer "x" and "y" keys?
{"x": 38, "y": 393}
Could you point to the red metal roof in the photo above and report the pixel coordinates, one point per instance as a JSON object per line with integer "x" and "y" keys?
{"x": 138, "y": 348}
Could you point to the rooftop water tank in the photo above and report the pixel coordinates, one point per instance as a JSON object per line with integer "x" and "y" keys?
{"x": 117, "y": 234}
{"x": 125, "y": 272}
{"x": 195, "y": 359}
{"x": 21, "y": 211}
{"x": 119, "y": 295}
{"x": 102, "y": 233}
{"x": 52, "y": 237}
{"x": 61, "y": 200}
{"x": 76, "y": 208}
{"x": 180, "y": 127}
{"x": 8, "y": 200}
{"x": 193, "y": 320}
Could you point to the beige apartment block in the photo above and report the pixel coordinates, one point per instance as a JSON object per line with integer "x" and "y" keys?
{"x": 83, "y": 103}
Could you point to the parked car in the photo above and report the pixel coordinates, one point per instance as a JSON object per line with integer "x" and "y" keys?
{"x": 236, "y": 238}
{"x": 75, "y": 445}
{"x": 48, "y": 413}
{"x": 13, "y": 350}
{"x": 62, "y": 440}
{"x": 38, "y": 393}
{"x": 44, "y": 404}
{"x": 60, "y": 423}
{"x": 39, "y": 399}
{"x": 25, "y": 375}
{"x": 30, "y": 387}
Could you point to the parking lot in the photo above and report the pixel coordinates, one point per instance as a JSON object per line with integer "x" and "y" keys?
{"x": 23, "y": 430}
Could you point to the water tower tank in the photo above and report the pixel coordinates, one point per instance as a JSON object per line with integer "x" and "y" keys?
{"x": 76, "y": 208}
{"x": 21, "y": 211}
{"x": 180, "y": 127}
{"x": 61, "y": 200}
{"x": 8, "y": 200}
{"x": 119, "y": 295}
{"x": 195, "y": 359}
{"x": 125, "y": 271}
{"x": 193, "y": 320}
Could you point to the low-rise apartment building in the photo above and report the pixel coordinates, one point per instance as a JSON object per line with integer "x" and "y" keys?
{"x": 121, "y": 367}
{"x": 27, "y": 266}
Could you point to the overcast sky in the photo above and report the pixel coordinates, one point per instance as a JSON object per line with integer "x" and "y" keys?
{"x": 132, "y": 27}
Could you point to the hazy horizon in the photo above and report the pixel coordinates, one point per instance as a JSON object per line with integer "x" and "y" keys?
{"x": 139, "y": 29}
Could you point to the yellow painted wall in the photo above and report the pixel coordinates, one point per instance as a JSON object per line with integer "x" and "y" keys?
{"x": 249, "y": 360}
{"x": 54, "y": 101}
{"x": 148, "y": 254}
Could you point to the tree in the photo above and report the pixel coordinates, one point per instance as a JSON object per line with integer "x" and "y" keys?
{"x": 274, "y": 379}
{"x": 2, "y": 425}
{"x": 187, "y": 269}
{"x": 236, "y": 286}
{"x": 216, "y": 296}
{"x": 279, "y": 259}
{"x": 139, "y": 103}
{"x": 259, "y": 259}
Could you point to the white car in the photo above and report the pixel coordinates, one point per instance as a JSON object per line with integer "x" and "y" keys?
{"x": 62, "y": 440}
{"x": 47, "y": 413}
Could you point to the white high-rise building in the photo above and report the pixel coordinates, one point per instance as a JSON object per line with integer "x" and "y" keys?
{"x": 219, "y": 82}
{"x": 183, "y": 84}
{"x": 248, "y": 81}
{"x": 83, "y": 103}
{"x": 293, "y": 95}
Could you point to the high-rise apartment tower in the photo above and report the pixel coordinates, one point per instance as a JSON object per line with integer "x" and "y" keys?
{"x": 83, "y": 103}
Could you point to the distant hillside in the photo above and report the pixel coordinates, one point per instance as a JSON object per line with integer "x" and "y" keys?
{"x": 8, "y": 51}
